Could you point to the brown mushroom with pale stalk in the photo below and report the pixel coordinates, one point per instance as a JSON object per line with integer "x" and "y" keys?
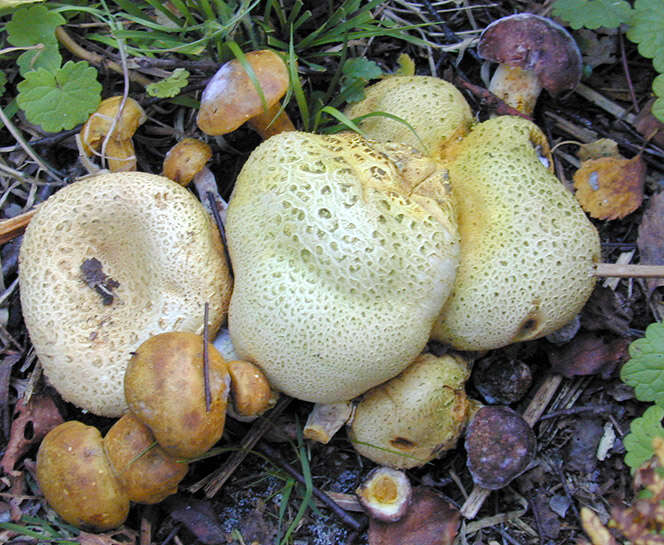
{"x": 436, "y": 111}
{"x": 109, "y": 131}
{"x": 231, "y": 97}
{"x": 108, "y": 262}
{"x": 385, "y": 494}
{"x": 414, "y": 417}
{"x": 533, "y": 53}
{"x": 342, "y": 255}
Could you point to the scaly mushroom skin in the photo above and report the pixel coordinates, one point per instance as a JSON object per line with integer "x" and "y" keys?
{"x": 77, "y": 480}
{"x": 534, "y": 52}
{"x": 528, "y": 251}
{"x": 230, "y": 98}
{"x": 342, "y": 256}
{"x": 149, "y": 235}
{"x": 414, "y": 417}
{"x": 435, "y": 109}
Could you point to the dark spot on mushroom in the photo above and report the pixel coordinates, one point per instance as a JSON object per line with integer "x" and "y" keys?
{"x": 402, "y": 443}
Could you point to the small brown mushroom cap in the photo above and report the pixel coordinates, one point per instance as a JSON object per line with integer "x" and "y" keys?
{"x": 146, "y": 472}
{"x": 414, "y": 417}
{"x": 340, "y": 252}
{"x": 150, "y": 236}
{"x": 77, "y": 480}
{"x": 185, "y": 159}
{"x": 119, "y": 148}
{"x": 385, "y": 494}
{"x": 230, "y": 97}
{"x": 535, "y": 44}
{"x": 433, "y": 107}
{"x": 165, "y": 389}
{"x": 528, "y": 251}
{"x": 250, "y": 390}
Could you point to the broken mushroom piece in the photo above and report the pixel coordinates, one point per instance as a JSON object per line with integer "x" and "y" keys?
{"x": 250, "y": 390}
{"x": 326, "y": 419}
{"x": 230, "y": 98}
{"x": 436, "y": 111}
{"x": 528, "y": 251}
{"x": 108, "y": 262}
{"x": 534, "y": 52}
{"x": 385, "y": 494}
{"x": 341, "y": 261}
{"x": 77, "y": 479}
{"x": 166, "y": 388}
{"x": 414, "y": 417}
{"x": 110, "y": 135}
{"x": 500, "y": 445}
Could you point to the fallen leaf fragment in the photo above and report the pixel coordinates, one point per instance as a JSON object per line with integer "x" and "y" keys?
{"x": 610, "y": 188}
{"x": 602, "y": 147}
{"x": 430, "y": 520}
{"x": 597, "y": 532}
{"x": 651, "y": 238}
{"x": 648, "y": 125}
{"x": 32, "y": 421}
{"x": 121, "y": 536}
{"x": 199, "y": 517}
{"x": 589, "y": 354}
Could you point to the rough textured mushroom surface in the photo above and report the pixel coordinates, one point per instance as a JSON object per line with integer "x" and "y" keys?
{"x": 342, "y": 250}
{"x": 433, "y": 107}
{"x": 528, "y": 250}
{"x": 158, "y": 259}
{"x": 412, "y": 418}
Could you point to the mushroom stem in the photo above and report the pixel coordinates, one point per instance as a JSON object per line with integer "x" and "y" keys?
{"x": 272, "y": 121}
{"x": 618, "y": 270}
{"x": 206, "y": 183}
{"x": 517, "y": 87}
{"x": 326, "y": 419}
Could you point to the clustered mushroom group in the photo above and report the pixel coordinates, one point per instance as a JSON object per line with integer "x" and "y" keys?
{"x": 348, "y": 255}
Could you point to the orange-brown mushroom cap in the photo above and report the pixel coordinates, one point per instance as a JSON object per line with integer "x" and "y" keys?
{"x": 185, "y": 159}
{"x": 230, "y": 97}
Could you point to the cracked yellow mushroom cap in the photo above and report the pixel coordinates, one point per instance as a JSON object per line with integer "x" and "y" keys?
{"x": 433, "y": 107}
{"x": 528, "y": 250}
{"x": 343, "y": 252}
{"x": 108, "y": 262}
{"x": 414, "y": 417}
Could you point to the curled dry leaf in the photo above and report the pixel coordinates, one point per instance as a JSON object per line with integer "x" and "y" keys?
{"x": 648, "y": 125}
{"x": 32, "y": 421}
{"x": 602, "y": 147}
{"x": 610, "y": 188}
{"x": 430, "y": 519}
{"x": 589, "y": 354}
{"x": 651, "y": 238}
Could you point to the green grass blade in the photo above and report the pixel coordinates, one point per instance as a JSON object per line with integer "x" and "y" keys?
{"x": 296, "y": 86}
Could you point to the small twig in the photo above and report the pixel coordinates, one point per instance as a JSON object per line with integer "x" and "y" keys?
{"x": 629, "y": 271}
{"x": 576, "y": 410}
{"x": 206, "y": 357}
{"x": 604, "y": 103}
{"x": 13, "y": 227}
{"x": 499, "y": 105}
{"x": 628, "y": 78}
{"x": 276, "y": 458}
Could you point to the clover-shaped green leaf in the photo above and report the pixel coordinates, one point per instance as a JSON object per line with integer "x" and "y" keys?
{"x": 658, "y": 89}
{"x": 60, "y": 100}
{"x": 35, "y": 26}
{"x": 645, "y": 369}
{"x": 592, "y": 13}
{"x": 357, "y": 72}
{"x": 638, "y": 443}
{"x": 647, "y": 30}
{"x": 170, "y": 86}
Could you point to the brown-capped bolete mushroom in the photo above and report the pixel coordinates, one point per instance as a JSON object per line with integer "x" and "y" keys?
{"x": 341, "y": 256}
{"x": 385, "y": 494}
{"x": 108, "y": 262}
{"x": 533, "y": 53}
{"x": 231, "y": 97}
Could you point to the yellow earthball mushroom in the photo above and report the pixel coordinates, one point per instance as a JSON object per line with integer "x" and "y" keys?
{"x": 343, "y": 252}
{"x": 433, "y": 107}
{"x": 150, "y": 236}
{"x": 528, "y": 251}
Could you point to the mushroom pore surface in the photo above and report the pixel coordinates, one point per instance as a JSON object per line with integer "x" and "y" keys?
{"x": 433, "y": 107}
{"x": 343, "y": 251}
{"x": 154, "y": 239}
{"x": 528, "y": 250}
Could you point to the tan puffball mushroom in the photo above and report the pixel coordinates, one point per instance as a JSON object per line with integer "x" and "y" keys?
{"x": 139, "y": 242}
{"x": 119, "y": 148}
{"x": 165, "y": 387}
{"x": 414, "y": 417}
{"x": 77, "y": 479}
{"x": 528, "y": 251}
{"x": 343, "y": 251}
{"x": 435, "y": 109}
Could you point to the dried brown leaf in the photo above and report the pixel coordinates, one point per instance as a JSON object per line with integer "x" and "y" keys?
{"x": 429, "y": 519}
{"x": 610, "y": 188}
{"x": 603, "y": 147}
{"x": 651, "y": 238}
{"x": 589, "y": 354}
{"x": 121, "y": 536}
